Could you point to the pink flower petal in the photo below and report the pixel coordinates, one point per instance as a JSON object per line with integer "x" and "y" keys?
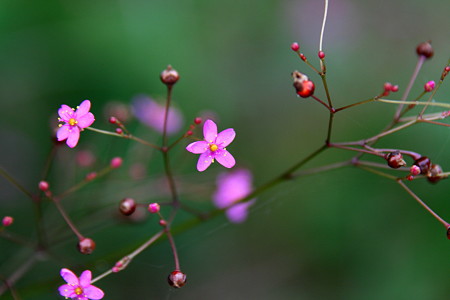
{"x": 210, "y": 131}
{"x": 86, "y": 120}
{"x": 83, "y": 108}
{"x": 74, "y": 136}
{"x": 224, "y": 138}
{"x": 197, "y": 147}
{"x": 238, "y": 213}
{"x": 63, "y": 132}
{"x": 67, "y": 290}
{"x": 232, "y": 186}
{"x": 225, "y": 158}
{"x": 69, "y": 276}
{"x": 204, "y": 161}
{"x": 65, "y": 112}
{"x": 93, "y": 292}
{"x": 85, "y": 278}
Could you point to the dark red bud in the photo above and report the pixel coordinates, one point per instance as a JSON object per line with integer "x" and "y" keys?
{"x": 44, "y": 186}
{"x": 321, "y": 54}
{"x": 425, "y": 49}
{"x": 169, "y": 76}
{"x": 295, "y": 47}
{"x": 198, "y": 120}
{"x": 127, "y": 206}
{"x": 395, "y": 160}
{"x": 424, "y": 164}
{"x": 435, "y": 171}
{"x": 112, "y": 120}
{"x": 307, "y": 90}
{"x": 86, "y": 246}
{"x": 177, "y": 279}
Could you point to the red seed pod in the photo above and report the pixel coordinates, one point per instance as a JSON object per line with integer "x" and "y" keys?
{"x": 394, "y": 88}
{"x": 198, "y": 120}
{"x": 435, "y": 171}
{"x": 425, "y": 49}
{"x": 177, "y": 279}
{"x": 424, "y": 164}
{"x": 321, "y": 54}
{"x": 307, "y": 90}
{"x": 302, "y": 56}
{"x": 295, "y": 47}
{"x": 169, "y": 76}
{"x": 429, "y": 86}
{"x": 395, "y": 160}
{"x": 410, "y": 177}
{"x": 86, "y": 246}
{"x": 127, "y": 206}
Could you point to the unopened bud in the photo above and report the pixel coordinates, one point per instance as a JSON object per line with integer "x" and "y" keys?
{"x": 44, "y": 186}
{"x": 198, "y": 120}
{"x": 321, "y": 54}
{"x": 127, "y": 206}
{"x": 295, "y": 47}
{"x": 424, "y": 164}
{"x": 429, "y": 86}
{"x": 116, "y": 162}
{"x": 177, "y": 279}
{"x": 91, "y": 176}
{"x": 425, "y": 49}
{"x": 7, "y": 221}
{"x": 169, "y": 76}
{"x": 414, "y": 170}
{"x": 395, "y": 160}
{"x": 435, "y": 172}
{"x": 86, "y": 246}
{"x": 153, "y": 208}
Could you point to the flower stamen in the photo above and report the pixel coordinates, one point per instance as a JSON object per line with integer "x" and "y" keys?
{"x": 72, "y": 122}
{"x": 213, "y": 147}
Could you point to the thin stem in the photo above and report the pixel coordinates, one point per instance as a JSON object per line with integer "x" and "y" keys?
{"x": 124, "y": 136}
{"x": 429, "y": 99}
{"x": 323, "y": 25}
{"x": 356, "y": 149}
{"x": 330, "y": 127}
{"x": 166, "y": 114}
{"x": 321, "y": 169}
{"x": 438, "y": 104}
{"x": 378, "y": 165}
{"x": 66, "y": 218}
{"x": 174, "y": 249}
{"x": 377, "y": 172}
{"x": 18, "y": 273}
{"x": 410, "y": 192}
{"x": 408, "y": 88}
{"x": 101, "y": 276}
{"x": 15, "y": 183}
{"x": 355, "y": 104}
{"x": 321, "y": 102}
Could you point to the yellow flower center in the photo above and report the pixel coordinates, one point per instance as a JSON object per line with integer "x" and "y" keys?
{"x": 72, "y": 122}
{"x": 78, "y": 291}
{"x": 213, "y": 147}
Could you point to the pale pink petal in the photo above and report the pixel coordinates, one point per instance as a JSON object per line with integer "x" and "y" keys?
{"x": 65, "y": 112}
{"x": 232, "y": 186}
{"x": 69, "y": 276}
{"x": 67, "y": 290}
{"x": 224, "y": 158}
{"x": 74, "y": 136}
{"x": 238, "y": 213}
{"x": 224, "y": 138}
{"x": 86, "y": 120}
{"x": 204, "y": 161}
{"x": 93, "y": 292}
{"x": 85, "y": 278}
{"x": 63, "y": 132}
{"x": 210, "y": 131}
{"x": 197, "y": 147}
{"x": 83, "y": 108}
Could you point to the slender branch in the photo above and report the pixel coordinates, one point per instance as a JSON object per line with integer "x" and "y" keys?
{"x": 323, "y": 25}
{"x": 125, "y": 136}
{"x": 355, "y": 104}
{"x": 15, "y": 183}
{"x": 18, "y": 273}
{"x": 174, "y": 248}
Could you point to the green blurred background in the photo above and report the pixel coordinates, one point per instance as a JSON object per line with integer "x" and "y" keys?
{"x": 345, "y": 234}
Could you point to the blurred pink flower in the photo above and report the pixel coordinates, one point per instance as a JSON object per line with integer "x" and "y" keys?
{"x": 213, "y": 147}
{"x": 79, "y": 288}
{"x": 75, "y": 121}
{"x": 152, "y": 113}
{"x": 231, "y": 187}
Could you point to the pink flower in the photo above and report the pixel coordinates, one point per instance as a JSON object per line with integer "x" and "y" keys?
{"x": 79, "y": 288}
{"x": 231, "y": 187}
{"x": 213, "y": 147}
{"x": 75, "y": 121}
{"x": 152, "y": 114}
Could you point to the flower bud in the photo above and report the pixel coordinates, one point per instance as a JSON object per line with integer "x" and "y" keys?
{"x": 424, "y": 164}
{"x": 429, "y": 86}
{"x": 321, "y": 54}
{"x": 44, "y": 186}
{"x": 414, "y": 170}
{"x": 425, "y": 49}
{"x": 112, "y": 120}
{"x": 127, "y": 206}
{"x": 7, "y": 221}
{"x": 198, "y": 120}
{"x": 91, "y": 176}
{"x": 153, "y": 208}
{"x": 177, "y": 279}
{"x": 295, "y": 47}
{"x": 435, "y": 171}
{"x": 116, "y": 162}
{"x": 86, "y": 246}
{"x": 395, "y": 160}
{"x": 169, "y": 76}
